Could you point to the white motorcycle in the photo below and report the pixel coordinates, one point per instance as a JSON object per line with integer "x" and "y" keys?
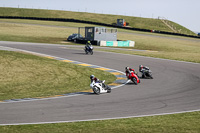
{"x": 100, "y": 87}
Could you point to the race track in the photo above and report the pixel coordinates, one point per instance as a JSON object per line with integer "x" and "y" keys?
{"x": 175, "y": 88}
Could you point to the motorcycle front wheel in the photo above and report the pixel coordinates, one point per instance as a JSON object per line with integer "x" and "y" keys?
{"x": 108, "y": 90}
{"x": 150, "y": 75}
{"x": 134, "y": 80}
{"x": 96, "y": 90}
{"x": 91, "y": 52}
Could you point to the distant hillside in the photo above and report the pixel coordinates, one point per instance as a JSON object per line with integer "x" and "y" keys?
{"x": 135, "y": 22}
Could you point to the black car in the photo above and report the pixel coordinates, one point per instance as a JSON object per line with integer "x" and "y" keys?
{"x": 74, "y": 36}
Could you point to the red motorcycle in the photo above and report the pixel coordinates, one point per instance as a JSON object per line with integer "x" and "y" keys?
{"x": 134, "y": 77}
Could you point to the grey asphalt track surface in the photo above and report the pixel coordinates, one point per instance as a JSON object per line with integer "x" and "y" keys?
{"x": 175, "y": 88}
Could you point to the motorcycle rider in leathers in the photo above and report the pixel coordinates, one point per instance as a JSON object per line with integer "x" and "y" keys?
{"x": 128, "y": 71}
{"x": 96, "y": 80}
{"x": 142, "y": 69}
{"x": 93, "y": 78}
{"x": 88, "y": 45}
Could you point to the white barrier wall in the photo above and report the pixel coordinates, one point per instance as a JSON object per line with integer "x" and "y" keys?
{"x": 117, "y": 43}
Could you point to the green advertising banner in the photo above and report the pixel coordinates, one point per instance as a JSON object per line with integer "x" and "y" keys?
{"x": 109, "y": 43}
{"x": 123, "y": 43}
{"x": 119, "y": 43}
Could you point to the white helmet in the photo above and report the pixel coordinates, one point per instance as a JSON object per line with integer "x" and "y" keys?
{"x": 91, "y": 76}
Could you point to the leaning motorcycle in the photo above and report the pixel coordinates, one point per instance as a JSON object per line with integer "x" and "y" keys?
{"x": 100, "y": 87}
{"x": 134, "y": 77}
{"x": 89, "y": 49}
{"x": 147, "y": 73}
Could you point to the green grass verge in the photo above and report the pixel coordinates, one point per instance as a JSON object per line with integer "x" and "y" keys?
{"x": 26, "y": 76}
{"x": 176, "y": 123}
{"x": 31, "y": 33}
{"x": 168, "y": 48}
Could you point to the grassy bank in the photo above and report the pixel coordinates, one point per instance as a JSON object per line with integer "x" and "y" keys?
{"x": 176, "y": 123}
{"x": 136, "y": 22}
{"x": 26, "y": 76}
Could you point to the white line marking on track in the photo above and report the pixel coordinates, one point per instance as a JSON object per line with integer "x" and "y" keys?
{"x": 113, "y": 118}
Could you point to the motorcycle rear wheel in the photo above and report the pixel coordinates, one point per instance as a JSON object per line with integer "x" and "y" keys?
{"x": 86, "y": 52}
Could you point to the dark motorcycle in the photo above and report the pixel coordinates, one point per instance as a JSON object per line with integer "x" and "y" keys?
{"x": 89, "y": 49}
{"x": 146, "y": 73}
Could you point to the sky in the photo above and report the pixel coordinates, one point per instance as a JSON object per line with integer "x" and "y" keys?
{"x": 183, "y": 12}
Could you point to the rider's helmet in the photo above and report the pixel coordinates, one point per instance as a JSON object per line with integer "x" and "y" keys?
{"x": 127, "y": 68}
{"x": 91, "y": 77}
{"x": 88, "y": 42}
{"x": 140, "y": 67}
